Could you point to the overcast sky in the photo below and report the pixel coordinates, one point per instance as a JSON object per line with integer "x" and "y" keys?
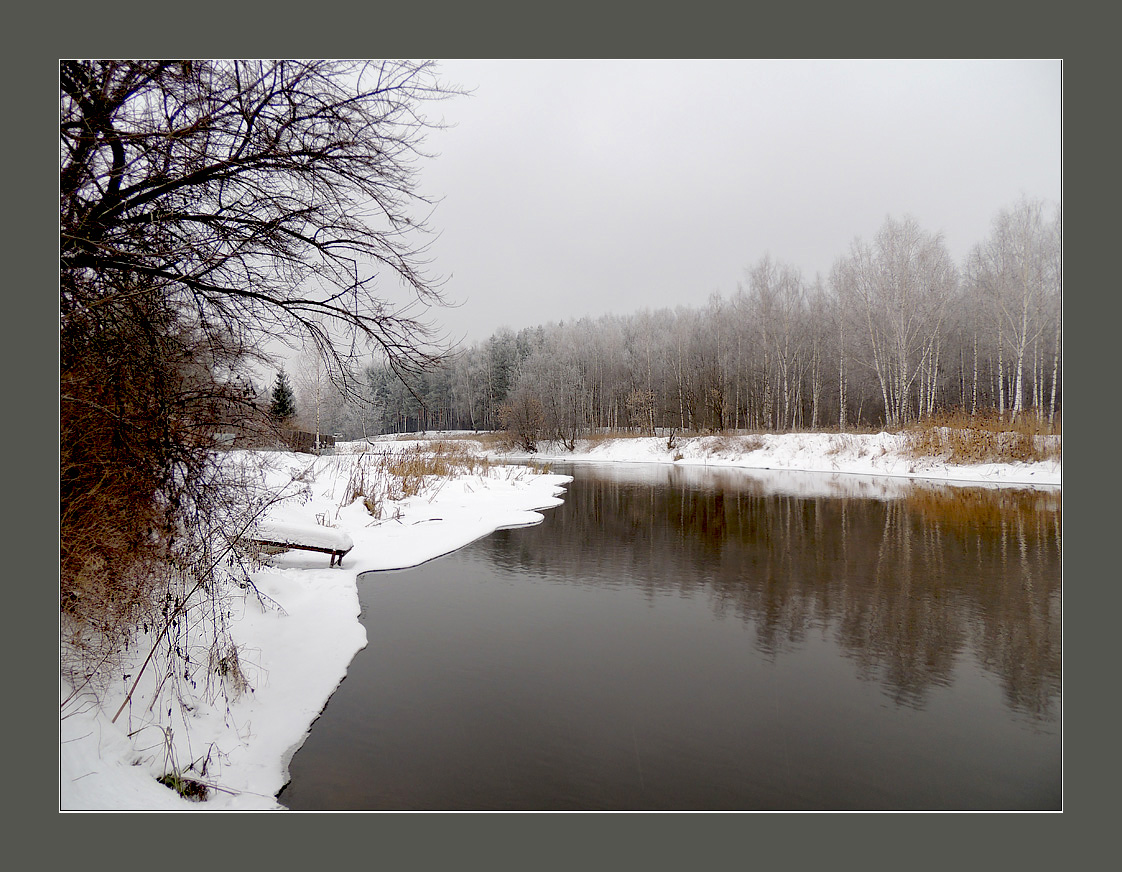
{"x": 572, "y": 188}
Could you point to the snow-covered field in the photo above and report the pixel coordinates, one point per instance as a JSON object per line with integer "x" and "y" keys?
{"x": 296, "y": 640}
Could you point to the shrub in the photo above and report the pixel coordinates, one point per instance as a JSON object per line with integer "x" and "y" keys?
{"x": 523, "y": 419}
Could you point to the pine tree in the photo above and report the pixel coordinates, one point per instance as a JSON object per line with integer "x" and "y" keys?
{"x": 283, "y": 406}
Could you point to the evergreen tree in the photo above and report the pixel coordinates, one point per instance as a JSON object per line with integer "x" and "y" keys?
{"x": 284, "y": 404}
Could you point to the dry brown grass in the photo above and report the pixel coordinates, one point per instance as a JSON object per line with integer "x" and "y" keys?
{"x": 965, "y": 439}
{"x": 729, "y": 444}
{"x": 388, "y": 476}
{"x": 418, "y": 464}
{"x": 840, "y": 443}
{"x": 489, "y": 439}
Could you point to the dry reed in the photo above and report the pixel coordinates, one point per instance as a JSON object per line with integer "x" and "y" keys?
{"x": 971, "y": 439}
{"x": 730, "y": 444}
{"x": 379, "y": 478}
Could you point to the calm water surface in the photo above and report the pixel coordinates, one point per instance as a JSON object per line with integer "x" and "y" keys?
{"x": 681, "y": 639}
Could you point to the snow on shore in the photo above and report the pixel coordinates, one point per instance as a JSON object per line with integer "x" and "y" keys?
{"x": 297, "y": 640}
{"x": 879, "y": 454}
{"x": 295, "y": 643}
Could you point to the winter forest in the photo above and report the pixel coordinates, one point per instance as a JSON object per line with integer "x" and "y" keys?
{"x": 896, "y": 333}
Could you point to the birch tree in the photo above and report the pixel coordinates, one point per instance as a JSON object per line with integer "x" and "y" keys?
{"x": 1016, "y": 273}
{"x": 900, "y": 287}
{"x": 777, "y": 296}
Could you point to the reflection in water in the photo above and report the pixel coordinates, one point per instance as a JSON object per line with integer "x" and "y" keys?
{"x": 677, "y": 638}
{"x": 906, "y": 576}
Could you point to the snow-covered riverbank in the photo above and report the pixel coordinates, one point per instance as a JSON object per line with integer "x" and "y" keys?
{"x": 296, "y": 641}
{"x": 880, "y": 454}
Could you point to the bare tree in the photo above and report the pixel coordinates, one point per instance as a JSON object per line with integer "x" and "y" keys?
{"x": 777, "y": 296}
{"x": 523, "y": 419}
{"x": 900, "y": 286}
{"x": 1017, "y": 273}
{"x": 205, "y": 209}
{"x": 269, "y": 197}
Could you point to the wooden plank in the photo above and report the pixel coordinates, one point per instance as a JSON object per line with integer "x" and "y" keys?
{"x": 336, "y": 554}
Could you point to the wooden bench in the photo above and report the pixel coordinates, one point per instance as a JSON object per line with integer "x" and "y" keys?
{"x": 294, "y": 537}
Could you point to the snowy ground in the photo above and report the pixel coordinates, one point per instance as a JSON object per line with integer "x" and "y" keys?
{"x": 878, "y": 454}
{"x": 296, "y": 641}
{"x": 294, "y": 645}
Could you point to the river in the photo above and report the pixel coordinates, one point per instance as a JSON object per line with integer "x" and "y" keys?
{"x": 680, "y": 638}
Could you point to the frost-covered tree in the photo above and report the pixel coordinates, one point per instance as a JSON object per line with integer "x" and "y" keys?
{"x": 899, "y": 288}
{"x": 1016, "y": 275}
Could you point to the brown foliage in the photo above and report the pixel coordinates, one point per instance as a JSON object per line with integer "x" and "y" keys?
{"x": 391, "y": 475}
{"x": 983, "y": 438}
{"x": 139, "y": 407}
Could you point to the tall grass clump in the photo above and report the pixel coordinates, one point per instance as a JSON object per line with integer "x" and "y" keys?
{"x": 732, "y": 444}
{"x": 380, "y": 478}
{"x": 965, "y": 439}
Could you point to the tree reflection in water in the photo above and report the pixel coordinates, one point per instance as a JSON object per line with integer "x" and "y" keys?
{"x": 907, "y": 577}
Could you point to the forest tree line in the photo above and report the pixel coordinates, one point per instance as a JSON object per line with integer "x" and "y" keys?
{"x": 896, "y": 333}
